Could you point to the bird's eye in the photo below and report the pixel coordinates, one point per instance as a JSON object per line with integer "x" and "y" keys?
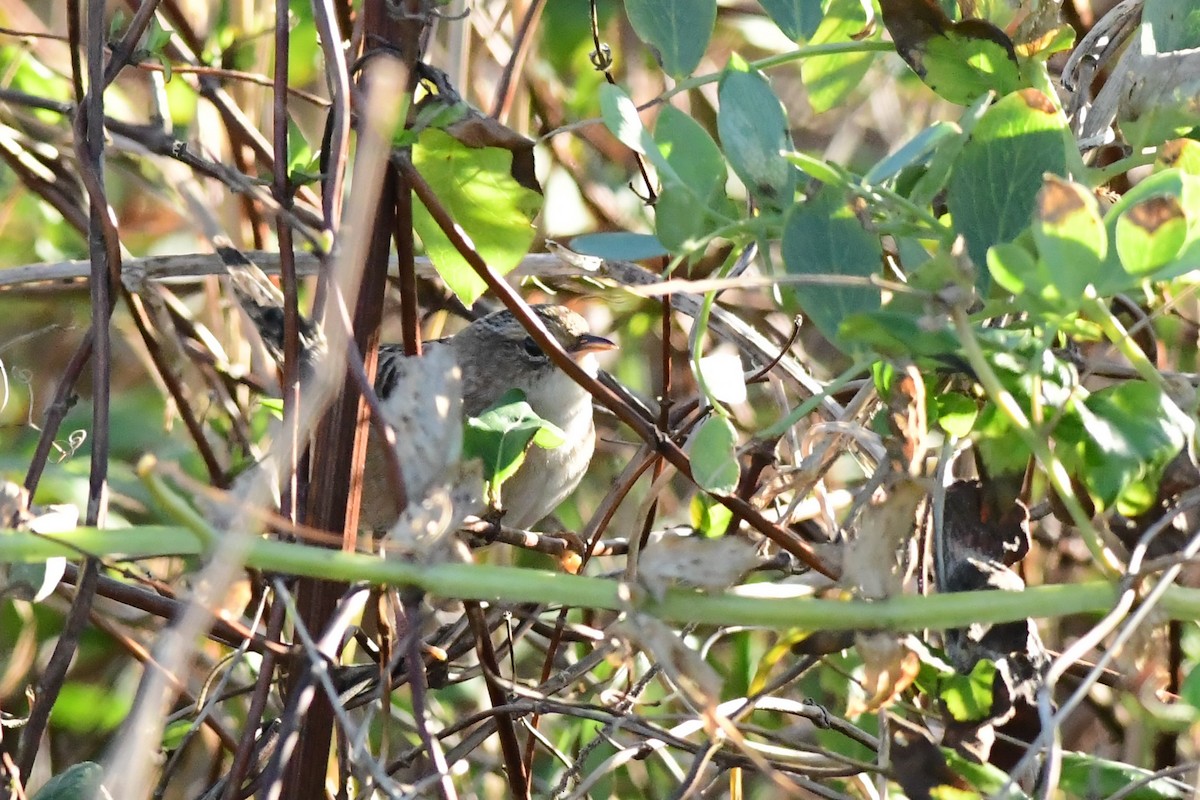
{"x": 532, "y": 349}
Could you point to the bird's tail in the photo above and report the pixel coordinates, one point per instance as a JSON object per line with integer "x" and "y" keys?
{"x": 263, "y": 303}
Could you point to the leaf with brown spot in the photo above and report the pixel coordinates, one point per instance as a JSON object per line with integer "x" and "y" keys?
{"x": 994, "y": 186}
{"x": 1150, "y": 234}
{"x": 1181, "y": 154}
{"x": 476, "y": 130}
{"x": 1070, "y": 237}
{"x": 958, "y": 60}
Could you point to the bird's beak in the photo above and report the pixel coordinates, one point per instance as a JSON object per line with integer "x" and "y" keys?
{"x": 590, "y": 343}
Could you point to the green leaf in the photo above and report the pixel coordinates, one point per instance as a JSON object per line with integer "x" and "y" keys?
{"x": 1189, "y": 690}
{"x": 986, "y": 779}
{"x": 1181, "y": 154}
{"x": 824, "y": 237}
{"x": 1000, "y": 447}
{"x": 620, "y": 116}
{"x": 820, "y": 169}
{"x": 78, "y": 782}
{"x": 708, "y": 516}
{"x": 956, "y": 413}
{"x": 90, "y": 708}
{"x": 958, "y": 60}
{"x": 176, "y": 734}
{"x": 678, "y": 29}
{"x": 713, "y": 453}
{"x": 619, "y": 246}
{"x": 1070, "y": 236}
{"x": 301, "y": 157}
{"x": 830, "y": 79}
{"x": 1132, "y": 431}
{"x": 798, "y": 19}
{"x": 993, "y": 189}
{"x": 1086, "y": 775}
{"x": 684, "y": 223}
{"x": 1174, "y": 24}
{"x": 936, "y": 175}
{"x": 693, "y": 155}
{"x": 754, "y": 132}
{"x": 969, "y": 697}
{"x": 692, "y": 202}
{"x": 490, "y": 207}
{"x": 1016, "y": 270}
{"x": 1173, "y": 183}
{"x": 157, "y": 37}
{"x": 972, "y": 58}
{"x": 501, "y": 435}
{"x": 1150, "y": 234}
{"x": 897, "y": 334}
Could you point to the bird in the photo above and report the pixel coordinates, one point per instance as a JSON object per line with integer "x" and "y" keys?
{"x": 495, "y": 354}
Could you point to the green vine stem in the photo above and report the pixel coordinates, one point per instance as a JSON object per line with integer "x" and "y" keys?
{"x": 522, "y": 585}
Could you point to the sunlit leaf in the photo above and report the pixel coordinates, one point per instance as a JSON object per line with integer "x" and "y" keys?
{"x": 492, "y": 209}
{"x": 709, "y": 517}
{"x": 994, "y": 186}
{"x": 1181, "y": 154}
{"x": 1150, "y": 234}
{"x": 501, "y": 435}
{"x": 712, "y": 449}
{"x": 1070, "y": 236}
{"x": 692, "y": 201}
{"x": 1172, "y": 183}
{"x": 958, "y": 60}
{"x": 620, "y": 116}
{"x": 1132, "y": 431}
{"x": 969, "y": 697}
{"x": 830, "y": 79}
{"x": 956, "y": 413}
{"x": 1088, "y": 775}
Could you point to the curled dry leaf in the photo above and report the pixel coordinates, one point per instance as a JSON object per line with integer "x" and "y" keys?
{"x": 476, "y": 130}
{"x": 425, "y": 408}
{"x": 888, "y": 669}
{"x": 870, "y": 567}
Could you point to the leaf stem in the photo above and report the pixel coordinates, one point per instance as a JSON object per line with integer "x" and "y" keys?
{"x": 1100, "y": 313}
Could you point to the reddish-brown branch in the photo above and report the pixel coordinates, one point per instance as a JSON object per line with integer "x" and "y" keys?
{"x": 647, "y": 431}
{"x": 505, "y": 89}
{"x": 518, "y": 780}
{"x": 144, "y": 326}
